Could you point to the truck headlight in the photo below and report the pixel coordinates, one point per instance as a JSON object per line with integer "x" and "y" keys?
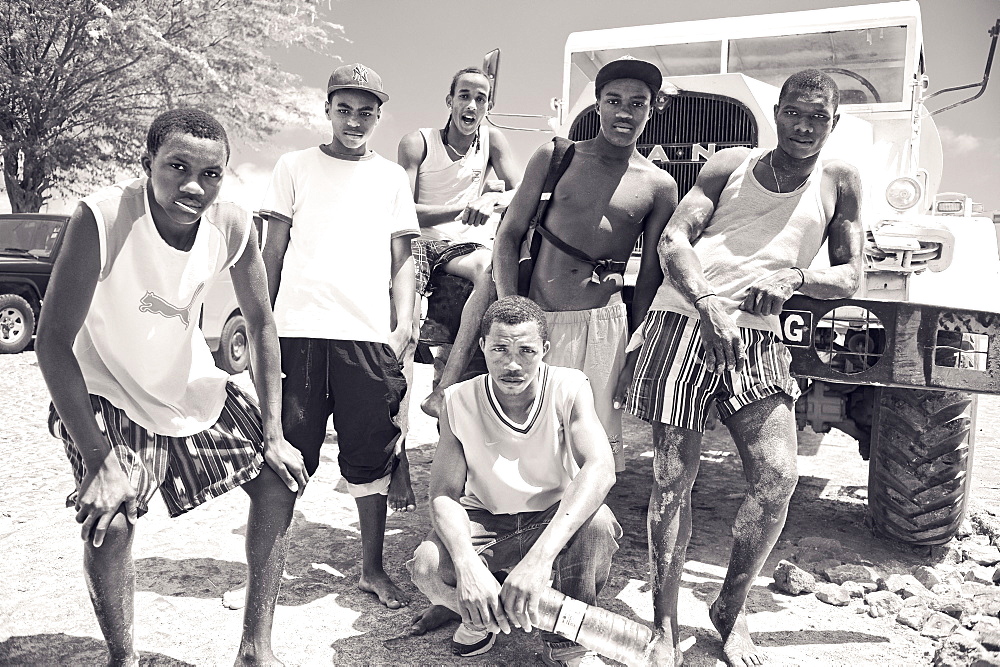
{"x": 903, "y": 193}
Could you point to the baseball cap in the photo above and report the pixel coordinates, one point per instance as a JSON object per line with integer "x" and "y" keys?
{"x": 630, "y": 68}
{"x": 357, "y": 77}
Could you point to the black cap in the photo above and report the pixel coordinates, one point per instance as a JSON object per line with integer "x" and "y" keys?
{"x": 630, "y": 68}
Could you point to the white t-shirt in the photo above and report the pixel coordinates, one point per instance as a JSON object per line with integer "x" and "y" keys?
{"x": 140, "y": 345}
{"x": 337, "y": 269}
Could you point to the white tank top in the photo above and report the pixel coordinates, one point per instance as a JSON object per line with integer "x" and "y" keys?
{"x": 140, "y": 346}
{"x": 443, "y": 182}
{"x": 513, "y": 467}
{"x": 753, "y": 233}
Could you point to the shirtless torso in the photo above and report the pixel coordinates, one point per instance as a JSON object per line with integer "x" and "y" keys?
{"x": 600, "y": 206}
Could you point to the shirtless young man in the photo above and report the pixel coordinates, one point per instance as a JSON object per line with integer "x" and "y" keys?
{"x": 736, "y": 249}
{"x": 447, "y": 170}
{"x": 607, "y": 198}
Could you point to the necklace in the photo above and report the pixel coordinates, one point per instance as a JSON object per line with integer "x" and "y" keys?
{"x": 770, "y": 163}
{"x": 449, "y": 147}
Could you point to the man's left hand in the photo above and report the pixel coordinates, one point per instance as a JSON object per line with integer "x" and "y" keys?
{"x": 287, "y": 463}
{"x": 478, "y": 211}
{"x": 522, "y": 591}
{"x": 767, "y": 296}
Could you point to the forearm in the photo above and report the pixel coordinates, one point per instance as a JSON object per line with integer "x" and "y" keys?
{"x": 834, "y": 282}
{"x": 451, "y": 523}
{"x": 272, "y": 268}
{"x": 505, "y": 260}
{"x": 61, "y": 372}
{"x": 646, "y": 284}
{"x": 429, "y": 215}
{"x": 404, "y": 286}
{"x": 265, "y": 353}
{"x": 582, "y": 498}
{"x": 685, "y": 270}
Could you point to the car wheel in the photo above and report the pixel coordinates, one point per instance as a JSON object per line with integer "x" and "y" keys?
{"x": 233, "y": 355}
{"x": 17, "y": 323}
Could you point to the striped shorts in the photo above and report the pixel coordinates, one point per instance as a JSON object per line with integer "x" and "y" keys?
{"x": 673, "y": 386}
{"x": 187, "y": 470}
{"x": 430, "y": 254}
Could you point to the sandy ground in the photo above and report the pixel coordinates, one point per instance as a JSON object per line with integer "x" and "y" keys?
{"x": 184, "y": 565}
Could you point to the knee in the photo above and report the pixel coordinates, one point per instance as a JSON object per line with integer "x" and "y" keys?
{"x": 268, "y": 488}
{"x": 482, "y": 275}
{"x": 775, "y": 488}
{"x": 602, "y": 528}
{"x": 425, "y": 567}
{"x": 117, "y": 538}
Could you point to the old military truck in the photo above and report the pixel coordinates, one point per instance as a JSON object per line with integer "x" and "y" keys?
{"x": 898, "y": 366}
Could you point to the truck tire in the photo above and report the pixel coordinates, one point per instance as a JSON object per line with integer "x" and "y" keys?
{"x": 17, "y": 323}
{"x": 233, "y": 355}
{"x": 921, "y": 457}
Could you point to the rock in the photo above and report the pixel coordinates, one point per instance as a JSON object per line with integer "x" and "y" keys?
{"x": 986, "y": 661}
{"x": 947, "y": 553}
{"x": 913, "y": 616}
{"x": 821, "y": 543}
{"x": 996, "y": 575}
{"x": 953, "y": 577}
{"x": 958, "y": 651}
{"x": 803, "y": 556}
{"x": 965, "y": 566}
{"x": 883, "y": 603}
{"x": 833, "y": 594}
{"x": 917, "y": 601}
{"x": 982, "y": 623}
{"x": 971, "y": 589}
{"x": 981, "y": 575}
{"x": 937, "y": 625}
{"x": 854, "y": 589}
{"x": 947, "y": 590}
{"x": 791, "y": 579}
{"x": 821, "y": 566}
{"x": 990, "y": 639}
{"x": 859, "y": 573}
{"x": 988, "y": 602}
{"x": 927, "y": 576}
{"x": 955, "y": 606}
{"x": 903, "y": 585}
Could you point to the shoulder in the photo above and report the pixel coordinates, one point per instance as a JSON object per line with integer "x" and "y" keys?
{"x": 567, "y": 381}
{"x": 413, "y": 145}
{"x": 728, "y": 159}
{"x": 462, "y": 391}
{"x": 659, "y": 180}
{"x": 498, "y": 140}
{"x": 841, "y": 172}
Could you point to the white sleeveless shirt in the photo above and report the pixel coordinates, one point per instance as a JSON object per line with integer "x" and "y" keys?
{"x": 514, "y": 468}
{"x": 443, "y": 182}
{"x": 140, "y": 346}
{"x": 753, "y": 233}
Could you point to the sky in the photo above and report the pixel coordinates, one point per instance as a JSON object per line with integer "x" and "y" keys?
{"x": 417, "y": 45}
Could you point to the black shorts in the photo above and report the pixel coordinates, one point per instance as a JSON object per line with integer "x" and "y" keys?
{"x": 361, "y": 384}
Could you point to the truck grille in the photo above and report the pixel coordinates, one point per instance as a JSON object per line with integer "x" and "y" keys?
{"x": 685, "y": 132}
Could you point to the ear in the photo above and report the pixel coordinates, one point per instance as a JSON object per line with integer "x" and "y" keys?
{"x": 775, "y": 112}
{"x": 147, "y": 164}
{"x": 836, "y": 119}
{"x": 326, "y": 108}
{"x": 482, "y": 344}
{"x": 447, "y": 100}
{"x": 545, "y": 347}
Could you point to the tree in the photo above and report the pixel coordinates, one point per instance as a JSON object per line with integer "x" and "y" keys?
{"x": 80, "y": 80}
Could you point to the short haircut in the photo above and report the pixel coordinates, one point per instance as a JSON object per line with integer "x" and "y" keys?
{"x": 811, "y": 81}
{"x": 195, "y": 122}
{"x": 652, "y": 93}
{"x": 514, "y": 310}
{"x": 468, "y": 70}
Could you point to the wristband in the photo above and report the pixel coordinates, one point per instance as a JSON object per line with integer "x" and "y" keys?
{"x": 802, "y": 277}
{"x": 703, "y": 296}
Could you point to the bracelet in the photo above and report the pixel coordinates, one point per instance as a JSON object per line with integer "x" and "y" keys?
{"x": 703, "y": 296}
{"x": 802, "y": 276}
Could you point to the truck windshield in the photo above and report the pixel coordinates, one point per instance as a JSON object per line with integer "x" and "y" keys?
{"x": 35, "y": 236}
{"x": 867, "y": 64}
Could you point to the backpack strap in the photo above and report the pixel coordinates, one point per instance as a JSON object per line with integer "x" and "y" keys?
{"x": 562, "y": 154}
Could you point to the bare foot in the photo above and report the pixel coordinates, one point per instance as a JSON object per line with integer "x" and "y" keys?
{"x": 662, "y": 653}
{"x": 432, "y": 404}
{"x": 249, "y": 656}
{"x": 432, "y": 618}
{"x": 738, "y": 648}
{"x": 401, "y": 498}
{"x": 388, "y": 593}
{"x": 235, "y": 599}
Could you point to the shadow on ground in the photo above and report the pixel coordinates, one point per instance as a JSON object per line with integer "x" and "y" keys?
{"x": 61, "y": 649}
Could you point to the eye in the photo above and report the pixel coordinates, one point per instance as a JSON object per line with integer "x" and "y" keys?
{"x": 211, "y": 173}
{"x": 366, "y": 114}
{"x": 178, "y": 166}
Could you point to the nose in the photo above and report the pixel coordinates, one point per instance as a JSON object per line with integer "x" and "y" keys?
{"x": 353, "y": 121}
{"x": 802, "y": 125}
{"x": 191, "y": 186}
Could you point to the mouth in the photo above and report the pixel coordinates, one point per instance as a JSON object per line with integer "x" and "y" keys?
{"x": 468, "y": 118}
{"x": 512, "y": 381}
{"x": 188, "y": 205}
{"x": 623, "y": 127}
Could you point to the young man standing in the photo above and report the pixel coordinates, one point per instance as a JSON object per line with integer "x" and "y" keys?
{"x": 518, "y": 482}
{"x": 609, "y": 196}
{"x": 447, "y": 170}
{"x": 137, "y": 399}
{"x": 738, "y": 246}
{"x": 340, "y": 220}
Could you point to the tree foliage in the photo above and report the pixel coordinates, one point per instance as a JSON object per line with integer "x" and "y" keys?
{"x": 80, "y": 80}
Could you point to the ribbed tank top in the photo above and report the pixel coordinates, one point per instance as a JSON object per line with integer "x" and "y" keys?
{"x": 513, "y": 467}
{"x": 753, "y": 233}
{"x": 443, "y": 182}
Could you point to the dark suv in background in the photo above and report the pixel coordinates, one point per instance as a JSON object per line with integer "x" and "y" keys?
{"x": 29, "y": 244}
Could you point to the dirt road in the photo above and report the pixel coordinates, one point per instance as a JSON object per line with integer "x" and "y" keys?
{"x": 184, "y": 565}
